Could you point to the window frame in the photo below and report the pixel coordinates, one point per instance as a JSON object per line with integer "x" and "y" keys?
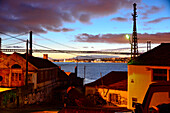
{"x": 159, "y": 74}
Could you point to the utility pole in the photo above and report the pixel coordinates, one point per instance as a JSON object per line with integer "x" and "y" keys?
{"x": 148, "y": 45}
{"x": 0, "y": 44}
{"x": 30, "y": 51}
{"x": 84, "y": 73}
{"x": 26, "y": 75}
{"x": 134, "y": 35}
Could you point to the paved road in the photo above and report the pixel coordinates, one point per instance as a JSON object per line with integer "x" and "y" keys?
{"x": 33, "y": 109}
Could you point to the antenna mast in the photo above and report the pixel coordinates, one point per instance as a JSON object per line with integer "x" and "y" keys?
{"x": 134, "y": 35}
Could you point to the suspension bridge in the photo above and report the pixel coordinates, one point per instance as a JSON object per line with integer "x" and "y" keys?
{"x": 48, "y": 49}
{"x": 63, "y": 51}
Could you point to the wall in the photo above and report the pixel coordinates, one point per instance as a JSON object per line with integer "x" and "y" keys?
{"x": 8, "y": 98}
{"x": 139, "y": 79}
{"x": 105, "y": 93}
{"x": 27, "y": 95}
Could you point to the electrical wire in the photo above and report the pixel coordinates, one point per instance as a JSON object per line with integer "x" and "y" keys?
{"x": 14, "y": 36}
{"x": 13, "y": 43}
{"x": 55, "y": 41}
{"x": 22, "y": 40}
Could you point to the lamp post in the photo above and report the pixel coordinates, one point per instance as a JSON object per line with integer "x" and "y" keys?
{"x": 128, "y": 37}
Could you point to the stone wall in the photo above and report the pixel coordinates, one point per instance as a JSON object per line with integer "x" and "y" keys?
{"x": 27, "y": 95}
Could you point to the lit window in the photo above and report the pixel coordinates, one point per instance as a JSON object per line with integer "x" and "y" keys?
{"x": 159, "y": 75}
{"x": 114, "y": 98}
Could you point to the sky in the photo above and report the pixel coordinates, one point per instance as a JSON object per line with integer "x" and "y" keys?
{"x": 83, "y": 24}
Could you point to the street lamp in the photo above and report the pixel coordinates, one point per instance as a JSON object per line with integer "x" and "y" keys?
{"x": 128, "y": 37}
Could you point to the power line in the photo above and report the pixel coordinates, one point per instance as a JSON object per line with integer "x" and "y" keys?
{"x": 13, "y": 43}
{"x": 55, "y": 41}
{"x": 14, "y": 36}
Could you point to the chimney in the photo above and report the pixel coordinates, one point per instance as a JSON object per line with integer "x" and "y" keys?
{"x": 45, "y": 56}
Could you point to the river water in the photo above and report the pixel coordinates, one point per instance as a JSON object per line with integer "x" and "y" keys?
{"x": 92, "y": 71}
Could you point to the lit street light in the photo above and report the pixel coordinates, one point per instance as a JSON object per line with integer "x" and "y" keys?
{"x": 128, "y": 37}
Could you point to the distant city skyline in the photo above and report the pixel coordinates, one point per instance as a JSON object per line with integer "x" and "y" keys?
{"x": 83, "y": 24}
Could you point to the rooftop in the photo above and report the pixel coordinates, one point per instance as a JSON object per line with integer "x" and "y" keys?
{"x": 113, "y": 80}
{"x": 39, "y": 62}
{"x": 159, "y": 56}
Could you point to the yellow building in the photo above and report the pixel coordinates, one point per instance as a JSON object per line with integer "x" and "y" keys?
{"x": 152, "y": 66}
{"x": 112, "y": 88}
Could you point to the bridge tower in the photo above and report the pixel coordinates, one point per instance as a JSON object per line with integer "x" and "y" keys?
{"x": 134, "y": 35}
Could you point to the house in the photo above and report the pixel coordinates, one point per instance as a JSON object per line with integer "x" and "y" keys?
{"x": 150, "y": 67}
{"x": 45, "y": 81}
{"x": 40, "y": 71}
{"x": 111, "y": 87}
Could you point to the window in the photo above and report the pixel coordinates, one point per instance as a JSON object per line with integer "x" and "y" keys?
{"x": 159, "y": 75}
{"x": 12, "y": 78}
{"x": 16, "y": 66}
{"x": 19, "y": 76}
{"x": 29, "y": 78}
{"x": 134, "y": 101}
{"x": 16, "y": 77}
{"x": 114, "y": 98}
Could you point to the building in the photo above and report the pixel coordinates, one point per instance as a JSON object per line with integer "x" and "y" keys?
{"x": 150, "y": 67}
{"x": 40, "y": 71}
{"x": 111, "y": 87}
{"x": 46, "y": 81}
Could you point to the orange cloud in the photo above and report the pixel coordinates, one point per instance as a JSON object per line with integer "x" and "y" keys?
{"x": 120, "y": 38}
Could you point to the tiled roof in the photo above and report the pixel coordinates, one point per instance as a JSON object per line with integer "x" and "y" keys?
{"x": 39, "y": 62}
{"x": 159, "y": 56}
{"x": 113, "y": 80}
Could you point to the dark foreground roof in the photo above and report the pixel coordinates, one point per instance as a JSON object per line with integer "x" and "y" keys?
{"x": 159, "y": 56}
{"x": 113, "y": 80}
{"x": 39, "y": 62}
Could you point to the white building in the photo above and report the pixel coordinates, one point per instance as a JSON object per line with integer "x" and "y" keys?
{"x": 152, "y": 66}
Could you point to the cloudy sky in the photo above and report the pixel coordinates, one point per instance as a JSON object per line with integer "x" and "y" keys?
{"x": 83, "y": 24}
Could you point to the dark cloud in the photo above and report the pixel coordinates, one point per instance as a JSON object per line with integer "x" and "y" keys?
{"x": 150, "y": 10}
{"x": 120, "y": 19}
{"x": 62, "y": 30}
{"x": 40, "y": 16}
{"x": 120, "y": 38}
{"x": 158, "y": 20}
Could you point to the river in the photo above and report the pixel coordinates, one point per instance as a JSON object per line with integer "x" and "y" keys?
{"x": 92, "y": 71}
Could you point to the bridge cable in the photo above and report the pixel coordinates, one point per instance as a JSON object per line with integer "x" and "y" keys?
{"x": 14, "y": 36}
{"x": 55, "y": 41}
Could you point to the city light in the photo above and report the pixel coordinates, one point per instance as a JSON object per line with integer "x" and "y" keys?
{"x": 127, "y": 36}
